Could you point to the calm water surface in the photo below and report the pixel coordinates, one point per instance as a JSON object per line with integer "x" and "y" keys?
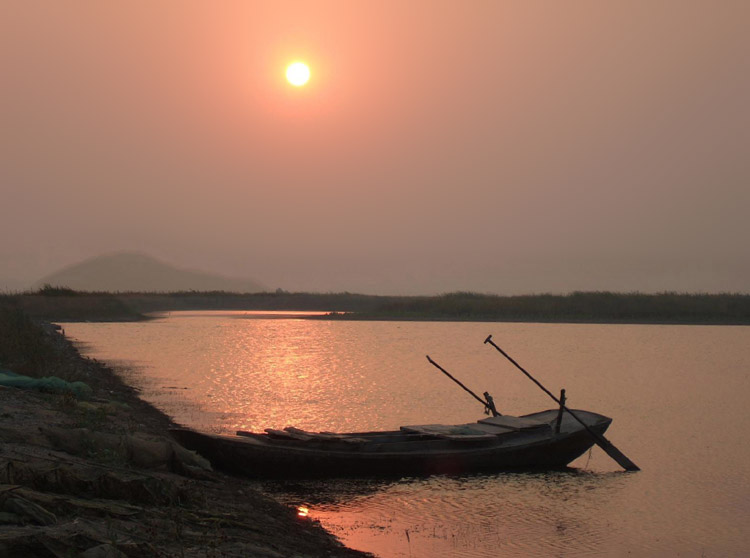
{"x": 678, "y": 395}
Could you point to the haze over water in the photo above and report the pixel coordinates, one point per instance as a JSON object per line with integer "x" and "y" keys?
{"x": 505, "y": 147}
{"x": 677, "y": 395}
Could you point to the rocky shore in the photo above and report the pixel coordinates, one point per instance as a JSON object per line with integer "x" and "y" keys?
{"x": 94, "y": 474}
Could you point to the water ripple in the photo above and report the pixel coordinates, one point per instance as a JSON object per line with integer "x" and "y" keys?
{"x": 677, "y": 395}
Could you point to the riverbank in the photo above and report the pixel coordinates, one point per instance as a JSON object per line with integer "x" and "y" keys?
{"x": 60, "y": 304}
{"x": 91, "y": 472}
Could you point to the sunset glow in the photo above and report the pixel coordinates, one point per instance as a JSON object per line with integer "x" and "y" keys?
{"x": 253, "y": 220}
{"x": 298, "y": 74}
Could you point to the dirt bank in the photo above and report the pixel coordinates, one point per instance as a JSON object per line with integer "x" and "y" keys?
{"x": 97, "y": 476}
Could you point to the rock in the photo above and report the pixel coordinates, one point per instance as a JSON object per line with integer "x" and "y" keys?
{"x": 9, "y": 434}
{"x": 148, "y": 451}
{"x": 7, "y": 518}
{"x": 103, "y": 551}
{"x": 24, "y": 508}
{"x": 142, "y": 450}
{"x": 189, "y": 459}
{"x": 73, "y": 441}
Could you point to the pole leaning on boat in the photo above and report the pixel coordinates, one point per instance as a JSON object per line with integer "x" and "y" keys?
{"x": 600, "y": 440}
{"x": 489, "y": 404}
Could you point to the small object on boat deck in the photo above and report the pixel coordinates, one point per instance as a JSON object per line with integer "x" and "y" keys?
{"x": 490, "y": 405}
{"x": 560, "y": 413}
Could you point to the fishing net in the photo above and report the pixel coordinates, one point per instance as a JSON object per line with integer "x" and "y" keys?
{"x": 48, "y": 384}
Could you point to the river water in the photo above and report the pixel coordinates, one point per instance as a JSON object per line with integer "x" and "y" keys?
{"x": 678, "y": 396}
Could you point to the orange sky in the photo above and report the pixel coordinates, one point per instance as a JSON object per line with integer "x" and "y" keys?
{"x": 492, "y": 146}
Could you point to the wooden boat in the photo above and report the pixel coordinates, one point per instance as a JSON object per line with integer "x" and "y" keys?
{"x": 491, "y": 444}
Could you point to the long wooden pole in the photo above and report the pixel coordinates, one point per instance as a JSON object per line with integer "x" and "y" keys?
{"x": 487, "y": 405}
{"x": 600, "y": 440}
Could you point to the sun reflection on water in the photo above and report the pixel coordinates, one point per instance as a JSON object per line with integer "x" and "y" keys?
{"x": 224, "y": 373}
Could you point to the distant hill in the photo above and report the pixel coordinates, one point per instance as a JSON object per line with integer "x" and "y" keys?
{"x": 132, "y": 271}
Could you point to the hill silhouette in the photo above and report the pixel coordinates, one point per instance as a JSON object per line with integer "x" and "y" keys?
{"x": 137, "y": 272}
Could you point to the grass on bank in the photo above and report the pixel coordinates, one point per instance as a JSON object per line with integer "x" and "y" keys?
{"x": 63, "y": 304}
{"x": 575, "y": 307}
{"x": 24, "y": 346}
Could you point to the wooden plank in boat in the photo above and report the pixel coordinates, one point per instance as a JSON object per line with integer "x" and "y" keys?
{"x": 287, "y": 435}
{"x": 494, "y": 429}
{"x": 514, "y": 423}
{"x": 247, "y": 434}
{"x": 292, "y": 433}
{"x": 460, "y": 432}
{"x": 324, "y": 436}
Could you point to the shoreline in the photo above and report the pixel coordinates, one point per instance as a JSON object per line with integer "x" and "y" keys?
{"x": 98, "y": 475}
{"x": 577, "y": 307}
{"x": 531, "y": 320}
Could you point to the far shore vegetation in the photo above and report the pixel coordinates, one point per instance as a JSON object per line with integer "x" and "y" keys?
{"x": 59, "y": 303}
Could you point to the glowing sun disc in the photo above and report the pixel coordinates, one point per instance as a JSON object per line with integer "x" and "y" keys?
{"x": 297, "y": 74}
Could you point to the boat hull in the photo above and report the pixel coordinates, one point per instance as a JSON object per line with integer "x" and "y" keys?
{"x": 260, "y": 456}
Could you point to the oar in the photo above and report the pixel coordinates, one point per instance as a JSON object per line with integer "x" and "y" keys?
{"x": 489, "y": 405}
{"x": 600, "y": 440}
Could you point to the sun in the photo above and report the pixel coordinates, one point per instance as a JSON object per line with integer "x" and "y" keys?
{"x": 297, "y": 73}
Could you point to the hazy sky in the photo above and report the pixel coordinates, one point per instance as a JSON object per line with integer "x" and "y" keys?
{"x": 506, "y": 147}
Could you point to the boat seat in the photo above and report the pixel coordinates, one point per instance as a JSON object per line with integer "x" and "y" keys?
{"x": 459, "y": 433}
{"x": 514, "y": 423}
